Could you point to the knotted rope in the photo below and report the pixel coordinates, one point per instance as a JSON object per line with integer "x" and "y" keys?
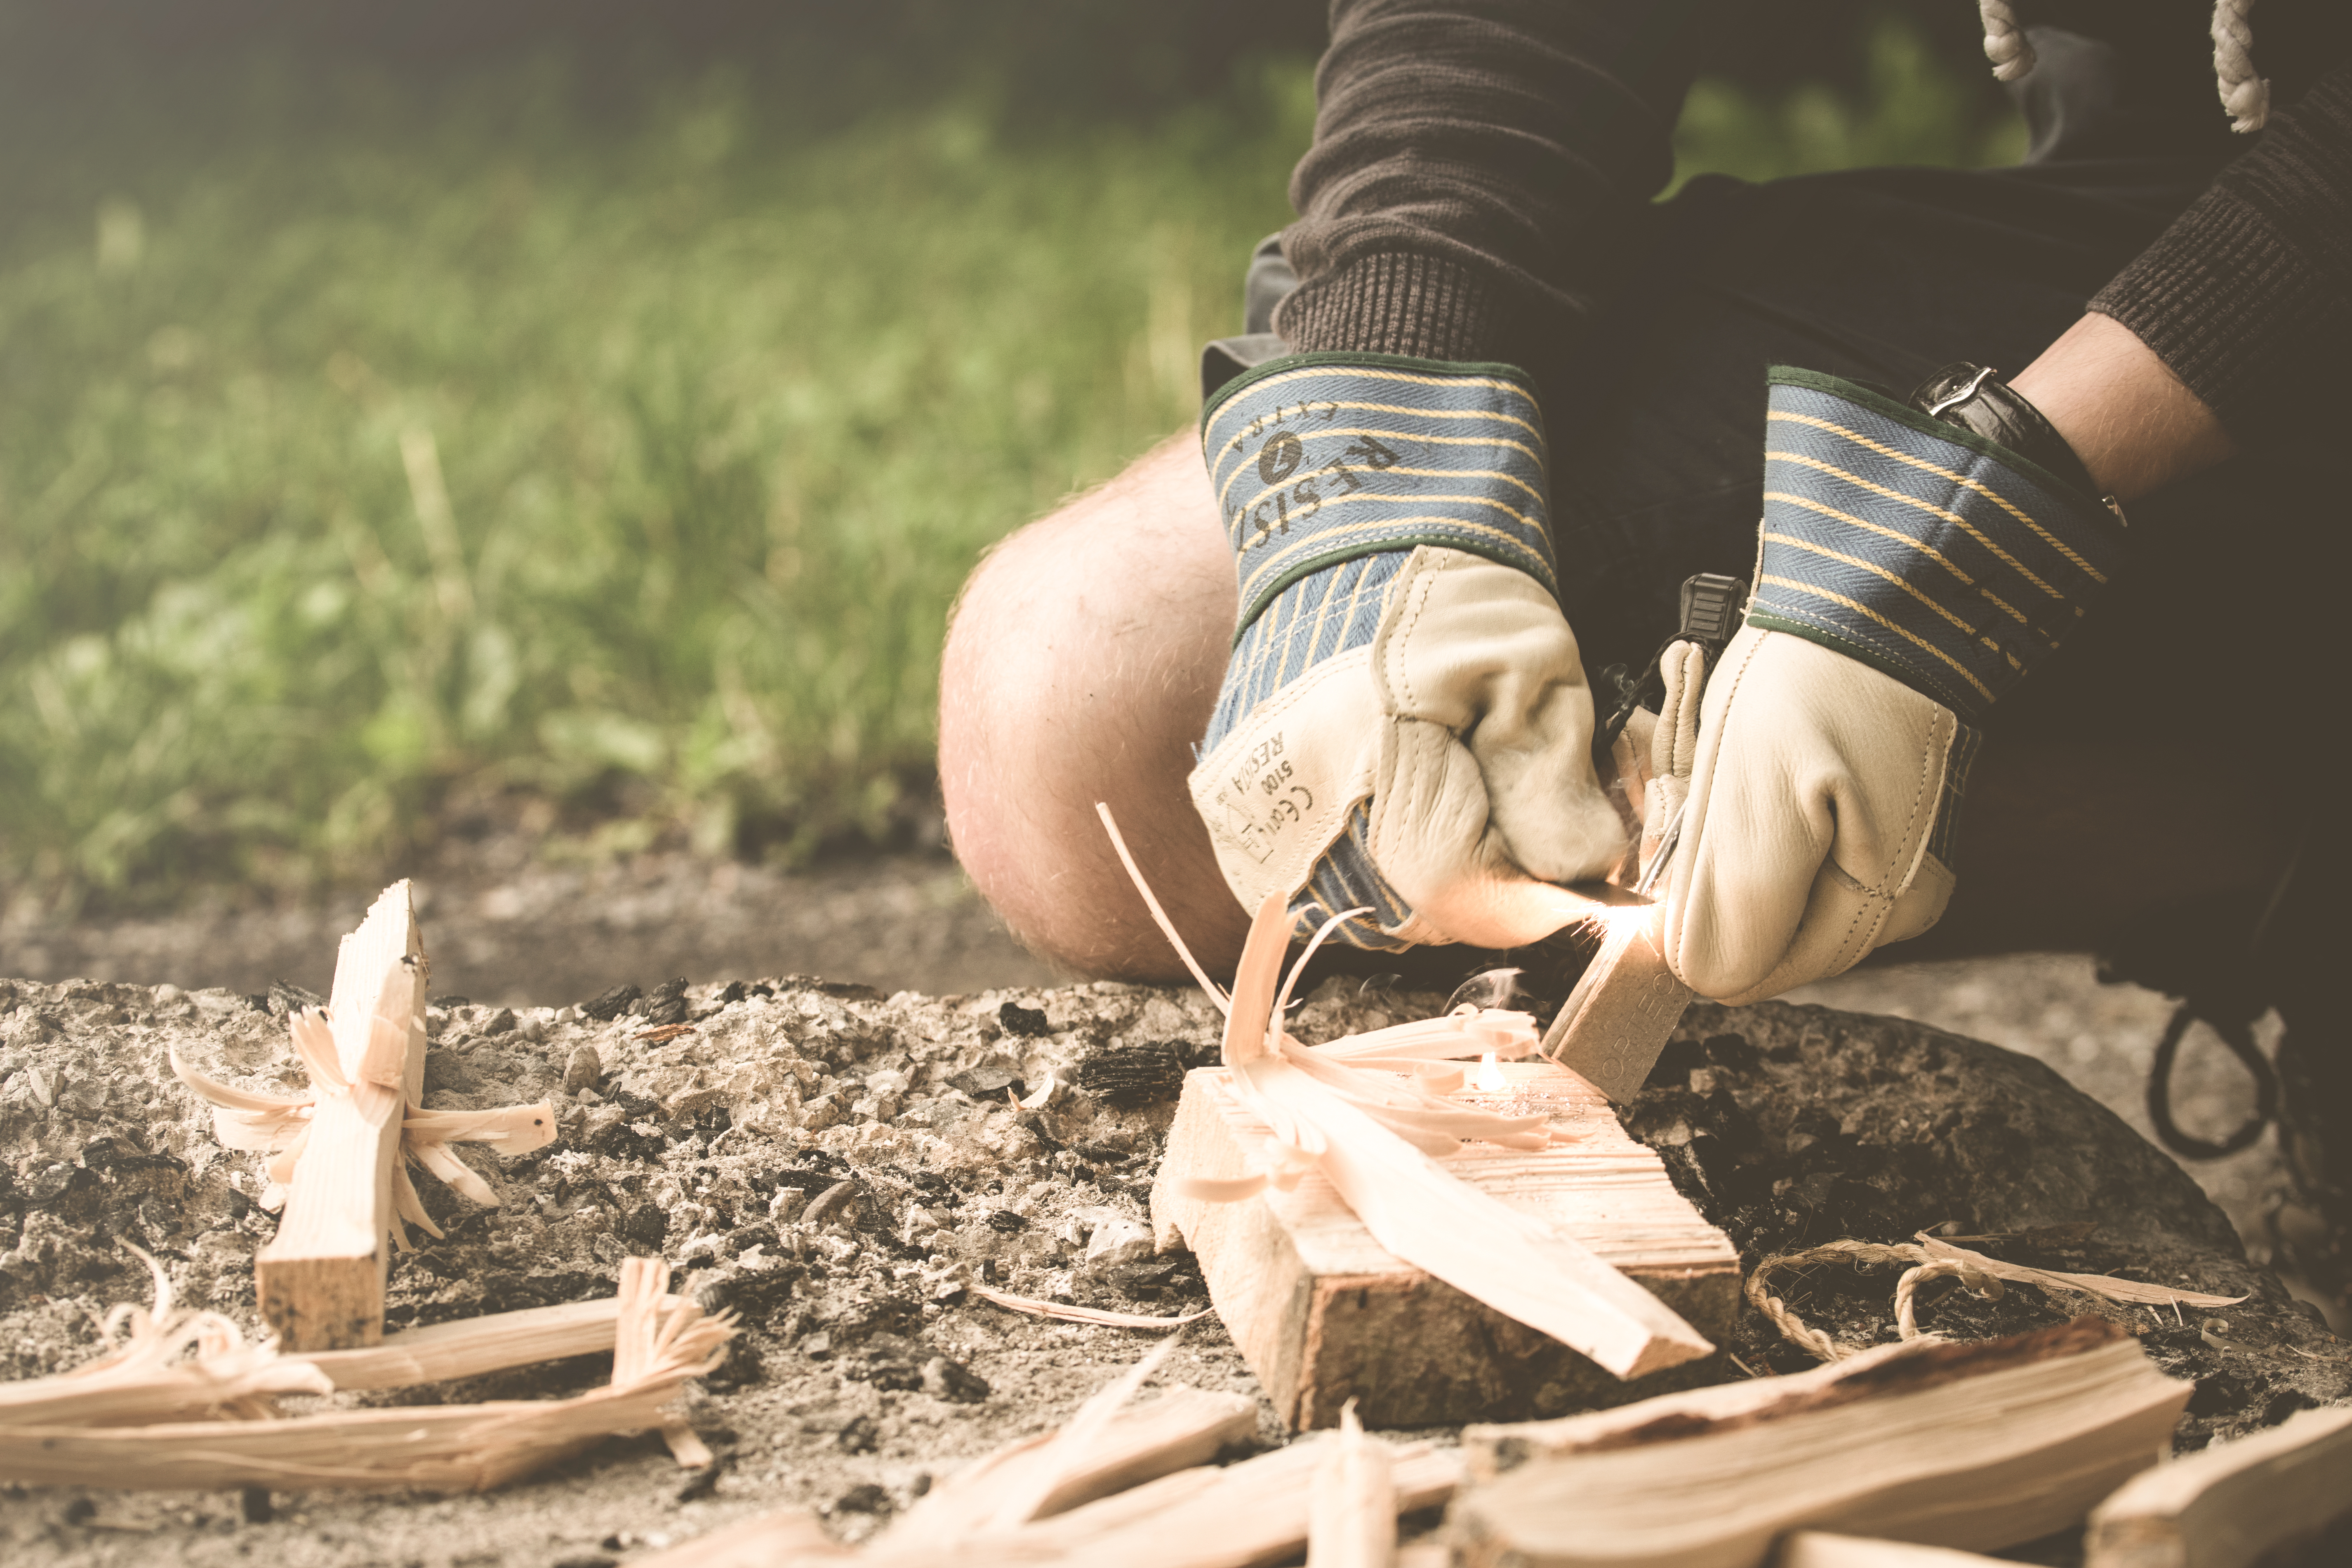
{"x": 2245, "y": 94}
{"x": 1863, "y": 1255}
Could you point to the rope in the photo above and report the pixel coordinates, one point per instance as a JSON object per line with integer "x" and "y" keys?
{"x": 1862, "y": 1254}
{"x": 2004, "y": 40}
{"x": 2246, "y": 96}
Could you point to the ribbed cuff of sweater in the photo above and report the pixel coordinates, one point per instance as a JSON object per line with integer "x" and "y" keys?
{"x": 1423, "y": 306}
{"x": 2223, "y": 301}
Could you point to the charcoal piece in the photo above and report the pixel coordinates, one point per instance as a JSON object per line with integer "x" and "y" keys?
{"x": 864, "y": 1498}
{"x": 989, "y": 1080}
{"x": 286, "y": 998}
{"x": 859, "y": 1435}
{"x": 667, "y": 1003}
{"x": 610, "y": 1004}
{"x": 647, "y": 1226}
{"x": 1129, "y": 1076}
{"x": 953, "y": 1382}
{"x": 1019, "y": 1020}
{"x": 1005, "y": 1222}
{"x": 734, "y": 993}
{"x": 705, "y": 1481}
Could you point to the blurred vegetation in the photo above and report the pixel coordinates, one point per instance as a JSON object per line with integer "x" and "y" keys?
{"x": 370, "y": 446}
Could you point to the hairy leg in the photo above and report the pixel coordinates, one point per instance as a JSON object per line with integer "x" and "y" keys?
{"x": 1081, "y": 666}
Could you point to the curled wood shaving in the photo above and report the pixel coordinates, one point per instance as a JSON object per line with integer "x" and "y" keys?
{"x": 170, "y": 1362}
{"x": 1064, "y": 1313}
{"x": 1930, "y": 1257}
{"x": 660, "y": 1341}
{"x": 279, "y": 1125}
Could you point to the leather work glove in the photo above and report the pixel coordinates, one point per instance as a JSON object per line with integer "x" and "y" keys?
{"x": 1911, "y": 570}
{"x": 1404, "y": 723}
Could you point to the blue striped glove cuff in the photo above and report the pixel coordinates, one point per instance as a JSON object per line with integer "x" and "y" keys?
{"x": 1326, "y": 458}
{"x": 1921, "y": 549}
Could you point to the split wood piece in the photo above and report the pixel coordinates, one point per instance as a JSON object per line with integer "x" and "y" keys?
{"x": 1324, "y": 1312}
{"x": 1351, "y": 1519}
{"x": 1819, "y": 1549}
{"x": 445, "y": 1449}
{"x": 320, "y": 1280}
{"x": 1624, "y": 1008}
{"x": 777, "y": 1540}
{"x": 1977, "y": 1446}
{"x": 1241, "y": 1516}
{"x": 470, "y": 1347}
{"x": 1518, "y": 1263}
{"x": 2230, "y": 1505}
{"x": 1181, "y": 1428}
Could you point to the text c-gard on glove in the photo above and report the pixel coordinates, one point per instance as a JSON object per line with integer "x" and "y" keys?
{"x": 1913, "y": 567}
{"x": 1404, "y": 725}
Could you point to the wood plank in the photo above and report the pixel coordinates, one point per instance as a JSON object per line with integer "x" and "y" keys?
{"x": 1976, "y": 1447}
{"x": 1323, "y": 1314}
{"x": 1181, "y": 1428}
{"x": 1241, "y": 1516}
{"x": 1624, "y": 1008}
{"x": 320, "y": 1280}
{"x": 2228, "y": 1505}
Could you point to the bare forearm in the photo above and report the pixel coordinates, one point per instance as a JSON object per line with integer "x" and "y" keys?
{"x": 2131, "y": 421}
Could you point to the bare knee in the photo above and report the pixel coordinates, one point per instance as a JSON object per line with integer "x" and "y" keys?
{"x": 1081, "y": 666}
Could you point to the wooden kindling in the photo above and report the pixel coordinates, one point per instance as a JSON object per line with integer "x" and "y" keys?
{"x": 1978, "y": 1445}
{"x": 320, "y": 1280}
{"x": 1624, "y": 1008}
{"x": 1373, "y": 1116}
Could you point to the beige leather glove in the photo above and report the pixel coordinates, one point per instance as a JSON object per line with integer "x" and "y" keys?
{"x": 1806, "y": 840}
{"x": 1911, "y": 570}
{"x": 1405, "y": 725}
{"x": 1453, "y": 753}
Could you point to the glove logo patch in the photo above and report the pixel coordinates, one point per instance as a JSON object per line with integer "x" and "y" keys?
{"x": 1325, "y": 461}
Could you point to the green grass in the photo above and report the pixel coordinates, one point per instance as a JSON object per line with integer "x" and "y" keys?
{"x": 724, "y": 415}
{"x": 723, "y": 409}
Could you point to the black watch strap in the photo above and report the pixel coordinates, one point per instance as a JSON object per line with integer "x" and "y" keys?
{"x": 1975, "y": 398}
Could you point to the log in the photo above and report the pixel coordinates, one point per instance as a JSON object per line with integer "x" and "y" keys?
{"x": 1977, "y": 1446}
{"x": 1324, "y": 1313}
{"x": 1624, "y": 1008}
{"x": 320, "y": 1280}
{"x": 2230, "y": 1505}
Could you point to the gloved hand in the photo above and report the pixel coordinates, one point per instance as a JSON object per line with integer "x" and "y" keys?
{"x": 1911, "y": 571}
{"x": 1404, "y": 723}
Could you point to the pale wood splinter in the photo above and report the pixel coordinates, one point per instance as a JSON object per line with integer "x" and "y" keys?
{"x": 320, "y": 1280}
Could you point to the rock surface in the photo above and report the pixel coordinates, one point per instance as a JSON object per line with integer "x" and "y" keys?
{"x": 837, "y": 1165}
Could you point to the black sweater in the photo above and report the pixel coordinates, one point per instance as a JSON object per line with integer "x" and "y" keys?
{"x": 1478, "y": 166}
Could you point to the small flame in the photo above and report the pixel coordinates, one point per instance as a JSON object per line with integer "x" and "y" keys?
{"x": 1490, "y": 1080}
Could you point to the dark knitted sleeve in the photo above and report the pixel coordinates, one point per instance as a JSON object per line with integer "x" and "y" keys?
{"x": 2248, "y": 296}
{"x": 1477, "y": 168}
